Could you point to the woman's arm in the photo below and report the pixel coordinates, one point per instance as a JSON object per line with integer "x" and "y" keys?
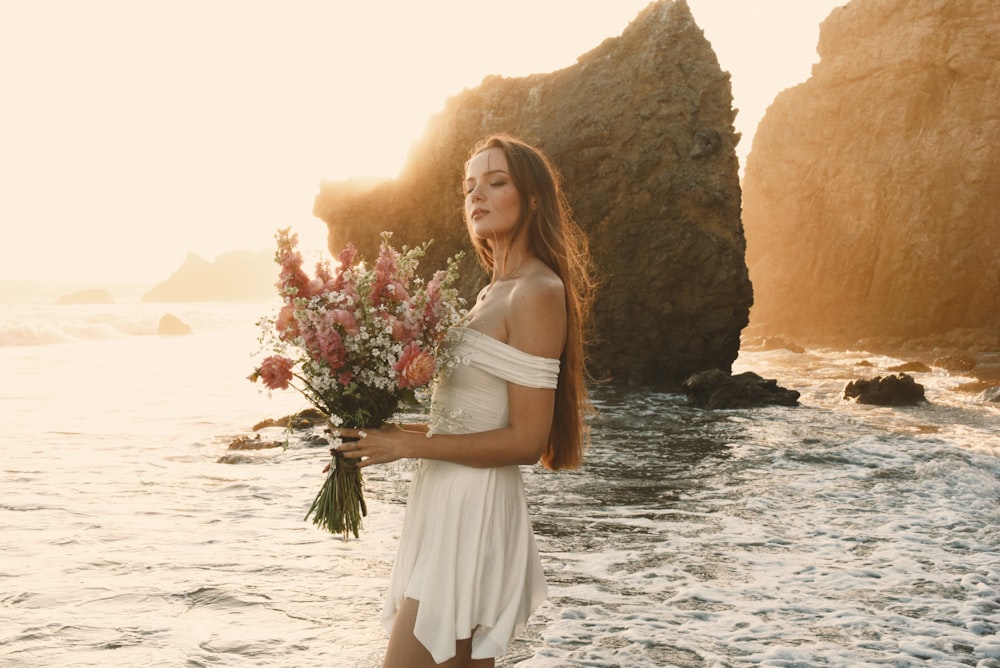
{"x": 520, "y": 443}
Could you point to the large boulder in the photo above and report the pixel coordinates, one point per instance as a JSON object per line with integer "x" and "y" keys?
{"x": 897, "y": 390}
{"x": 715, "y": 389}
{"x": 171, "y": 325}
{"x": 642, "y": 130}
{"x": 871, "y": 197}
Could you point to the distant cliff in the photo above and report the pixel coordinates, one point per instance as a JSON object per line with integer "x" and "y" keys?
{"x": 871, "y": 197}
{"x": 233, "y": 276}
{"x": 642, "y": 131}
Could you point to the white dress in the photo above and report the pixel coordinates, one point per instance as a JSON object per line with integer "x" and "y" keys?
{"x": 467, "y": 550}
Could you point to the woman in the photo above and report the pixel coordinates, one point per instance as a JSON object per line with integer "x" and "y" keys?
{"x": 467, "y": 575}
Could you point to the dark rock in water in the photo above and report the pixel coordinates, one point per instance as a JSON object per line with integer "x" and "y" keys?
{"x": 911, "y": 367}
{"x": 898, "y": 390}
{"x": 245, "y": 442}
{"x": 870, "y": 197}
{"x": 641, "y": 129}
{"x": 304, "y": 419}
{"x": 92, "y": 296}
{"x": 171, "y": 325}
{"x": 716, "y": 389}
{"x": 991, "y": 395}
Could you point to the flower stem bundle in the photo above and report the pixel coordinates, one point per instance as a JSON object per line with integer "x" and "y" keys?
{"x": 340, "y": 503}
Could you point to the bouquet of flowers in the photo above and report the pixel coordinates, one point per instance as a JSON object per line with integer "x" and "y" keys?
{"x": 357, "y": 341}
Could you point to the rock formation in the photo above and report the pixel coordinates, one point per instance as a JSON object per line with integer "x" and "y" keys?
{"x": 91, "y": 296}
{"x": 234, "y": 276}
{"x": 871, "y": 196}
{"x": 715, "y": 389}
{"x": 641, "y": 128}
{"x": 897, "y": 390}
{"x": 171, "y": 325}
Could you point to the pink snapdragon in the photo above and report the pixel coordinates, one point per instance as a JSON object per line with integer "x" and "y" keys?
{"x": 433, "y": 296}
{"x": 291, "y": 279}
{"x": 415, "y": 367}
{"x": 323, "y": 341}
{"x": 388, "y": 285}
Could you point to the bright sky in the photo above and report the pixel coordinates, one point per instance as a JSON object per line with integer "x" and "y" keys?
{"x": 134, "y": 132}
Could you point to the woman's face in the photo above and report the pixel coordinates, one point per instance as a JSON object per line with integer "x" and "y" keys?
{"x": 492, "y": 203}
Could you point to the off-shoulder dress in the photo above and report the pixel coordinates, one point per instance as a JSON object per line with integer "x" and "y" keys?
{"x": 467, "y": 551}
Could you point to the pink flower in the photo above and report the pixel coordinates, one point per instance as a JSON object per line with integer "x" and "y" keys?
{"x": 291, "y": 275}
{"x": 286, "y": 324}
{"x": 388, "y": 285}
{"x": 323, "y": 272}
{"x": 434, "y": 297}
{"x": 398, "y": 330}
{"x": 315, "y": 287}
{"x": 347, "y": 256}
{"x": 323, "y": 341}
{"x": 275, "y": 371}
{"x": 415, "y": 367}
{"x": 346, "y": 319}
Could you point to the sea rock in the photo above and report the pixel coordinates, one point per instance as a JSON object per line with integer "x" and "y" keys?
{"x": 871, "y": 192}
{"x": 91, "y": 296}
{"x": 244, "y": 442}
{"x": 716, "y": 389}
{"x": 641, "y": 129}
{"x": 233, "y": 276}
{"x": 897, "y": 390}
{"x": 304, "y": 419}
{"x": 171, "y": 325}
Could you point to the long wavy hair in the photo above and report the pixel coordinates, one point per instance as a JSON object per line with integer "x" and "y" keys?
{"x": 556, "y": 239}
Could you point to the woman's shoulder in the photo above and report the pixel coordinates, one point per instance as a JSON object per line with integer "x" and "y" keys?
{"x": 540, "y": 283}
{"x": 536, "y": 314}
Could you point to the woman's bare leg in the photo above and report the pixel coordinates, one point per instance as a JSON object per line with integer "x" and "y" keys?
{"x": 405, "y": 651}
{"x": 482, "y": 663}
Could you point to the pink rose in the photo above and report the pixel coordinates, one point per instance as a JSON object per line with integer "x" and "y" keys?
{"x": 275, "y": 371}
{"x": 415, "y": 367}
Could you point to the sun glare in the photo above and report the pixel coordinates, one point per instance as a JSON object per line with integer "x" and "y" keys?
{"x": 122, "y": 152}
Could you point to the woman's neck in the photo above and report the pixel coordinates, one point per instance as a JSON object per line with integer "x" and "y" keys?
{"x": 507, "y": 260}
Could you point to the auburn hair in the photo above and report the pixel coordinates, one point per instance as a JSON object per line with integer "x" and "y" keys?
{"x": 556, "y": 239}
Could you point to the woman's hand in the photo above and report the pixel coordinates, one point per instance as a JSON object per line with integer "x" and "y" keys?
{"x": 374, "y": 446}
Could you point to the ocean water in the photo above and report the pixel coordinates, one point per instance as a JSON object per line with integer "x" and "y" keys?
{"x": 831, "y": 534}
